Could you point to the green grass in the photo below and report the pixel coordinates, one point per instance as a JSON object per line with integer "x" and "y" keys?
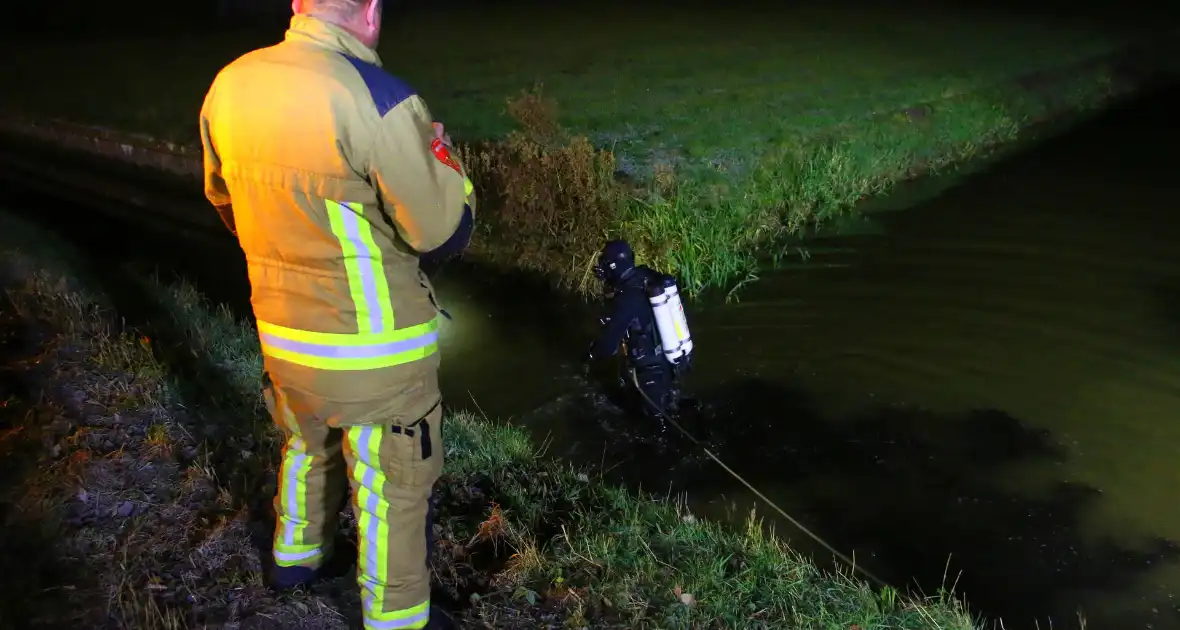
{"x": 704, "y": 84}
{"x": 162, "y": 431}
{"x": 767, "y": 121}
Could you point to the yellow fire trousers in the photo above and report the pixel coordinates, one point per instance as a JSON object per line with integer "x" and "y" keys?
{"x": 391, "y": 463}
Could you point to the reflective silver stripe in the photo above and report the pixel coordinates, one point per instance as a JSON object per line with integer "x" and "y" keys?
{"x": 417, "y": 620}
{"x": 351, "y": 352}
{"x": 297, "y": 557}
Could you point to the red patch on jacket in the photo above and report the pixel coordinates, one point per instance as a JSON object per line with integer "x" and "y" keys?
{"x": 443, "y": 154}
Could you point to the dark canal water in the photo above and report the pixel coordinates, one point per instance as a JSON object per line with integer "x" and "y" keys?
{"x": 984, "y": 385}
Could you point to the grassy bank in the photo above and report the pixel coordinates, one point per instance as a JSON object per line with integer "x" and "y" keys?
{"x": 730, "y": 131}
{"x": 138, "y": 468}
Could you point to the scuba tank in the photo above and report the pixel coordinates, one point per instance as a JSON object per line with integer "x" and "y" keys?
{"x": 671, "y": 323}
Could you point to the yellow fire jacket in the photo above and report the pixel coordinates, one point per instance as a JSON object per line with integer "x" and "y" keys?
{"x": 326, "y": 168}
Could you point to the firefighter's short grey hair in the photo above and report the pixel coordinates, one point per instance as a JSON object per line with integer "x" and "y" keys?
{"x": 335, "y": 7}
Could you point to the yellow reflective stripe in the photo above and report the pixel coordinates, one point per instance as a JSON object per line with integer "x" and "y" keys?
{"x": 364, "y": 266}
{"x": 296, "y": 555}
{"x": 384, "y": 304}
{"x": 412, "y": 618}
{"x": 352, "y": 266}
{"x": 377, "y": 343}
{"x": 372, "y": 523}
{"x": 366, "y": 363}
{"x": 380, "y": 538}
{"x": 467, "y": 187}
{"x": 297, "y": 448}
{"x": 292, "y": 492}
{"x": 299, "y": 549}
{"x": 349, "y": 352}
{"x": 346, "y": 339}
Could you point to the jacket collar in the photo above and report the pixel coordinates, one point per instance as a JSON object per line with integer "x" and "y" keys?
{"x": 312, "y": 30}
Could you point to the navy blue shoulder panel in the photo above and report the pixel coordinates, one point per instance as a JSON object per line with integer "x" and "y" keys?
{"x": 387, "y": 90}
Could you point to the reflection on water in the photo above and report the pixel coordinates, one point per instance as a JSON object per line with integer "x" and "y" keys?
{"x": 992, "y": 376}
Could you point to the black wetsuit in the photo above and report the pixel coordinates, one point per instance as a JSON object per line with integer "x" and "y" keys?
{"x": 631, "y": 321}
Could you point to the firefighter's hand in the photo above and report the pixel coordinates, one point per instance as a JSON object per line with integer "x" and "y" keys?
{"x": 441, "y": 133}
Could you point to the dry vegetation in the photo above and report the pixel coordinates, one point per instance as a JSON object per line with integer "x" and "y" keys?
{"x": 555, "y": 194}
{"x": 119, "y": 509}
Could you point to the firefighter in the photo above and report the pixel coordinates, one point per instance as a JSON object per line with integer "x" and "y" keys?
{"x": 337, "y": 182}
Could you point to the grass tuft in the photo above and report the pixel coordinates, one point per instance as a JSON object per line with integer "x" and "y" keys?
{"x": 555, "y": 192}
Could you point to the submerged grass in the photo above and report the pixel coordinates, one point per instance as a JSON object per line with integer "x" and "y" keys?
{"x": 139, "y": 470}
{"x": 682, "y": 135}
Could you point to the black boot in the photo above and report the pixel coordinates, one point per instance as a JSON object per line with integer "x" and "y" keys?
{"x": 282, "y": 578}
{"x": 440, "y": 620}
{"x": 341, "y": 560}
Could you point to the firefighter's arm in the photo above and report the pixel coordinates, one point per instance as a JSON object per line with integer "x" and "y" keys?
{"x": 426, "y": 189}
{"x": 216, "y": 190}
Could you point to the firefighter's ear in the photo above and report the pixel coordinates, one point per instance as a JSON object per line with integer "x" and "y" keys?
{"x": 373, "y": 14}
{"x": 296, "y": 6}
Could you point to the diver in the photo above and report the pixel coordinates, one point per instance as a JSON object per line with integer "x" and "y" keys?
{"x": 647, "y": 320}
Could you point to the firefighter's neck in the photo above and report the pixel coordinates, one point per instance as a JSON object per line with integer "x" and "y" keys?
{"x": 364, "y": 24}
{"x": 354, "y": 27}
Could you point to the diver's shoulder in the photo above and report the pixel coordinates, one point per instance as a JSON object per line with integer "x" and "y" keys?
{"x": 646, "y": 273}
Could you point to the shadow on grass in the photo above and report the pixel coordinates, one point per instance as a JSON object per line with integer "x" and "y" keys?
{"x": 915, "y": 494}
{"x": 33, "y": 574}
